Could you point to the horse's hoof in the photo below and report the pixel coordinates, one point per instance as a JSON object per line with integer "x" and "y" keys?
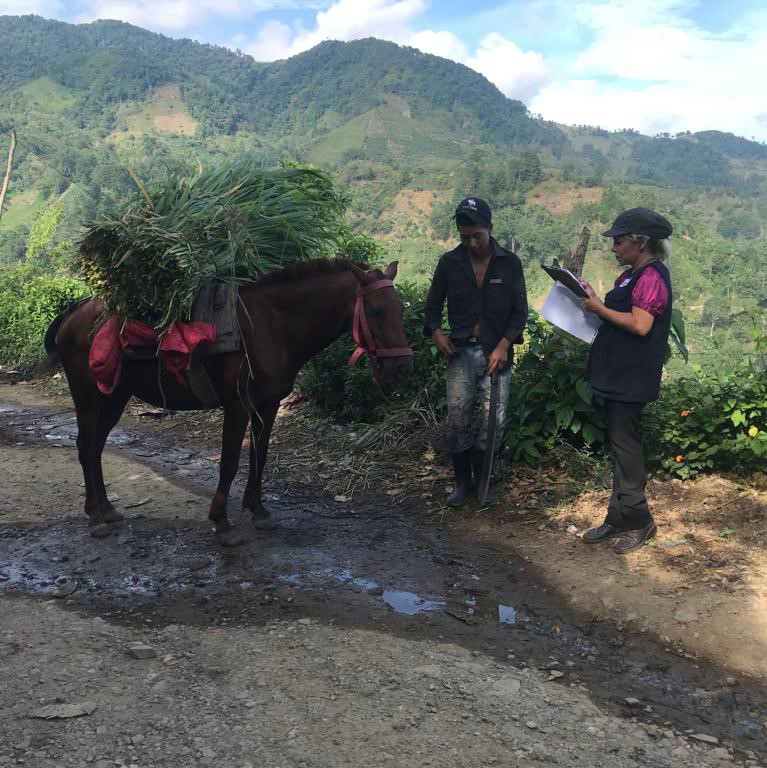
{"x": 230, "y": 538}
{"x": 114, "y": 517}
{"x": 98, "y": 530}
{"x": 263, "y": 523}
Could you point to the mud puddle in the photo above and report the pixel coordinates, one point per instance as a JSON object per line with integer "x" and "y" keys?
{"x": 353, "y": 564}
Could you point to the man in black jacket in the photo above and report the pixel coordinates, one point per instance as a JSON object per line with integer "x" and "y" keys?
{"x": 487, "y": 311}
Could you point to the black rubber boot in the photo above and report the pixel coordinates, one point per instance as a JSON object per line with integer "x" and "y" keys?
{"x": 478, "y": 460}
{"x": 462, "y": 469}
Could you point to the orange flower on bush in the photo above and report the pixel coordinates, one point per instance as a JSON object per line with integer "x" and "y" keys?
{"x": 679, "y": 458}
{"x": 684, "y": 413}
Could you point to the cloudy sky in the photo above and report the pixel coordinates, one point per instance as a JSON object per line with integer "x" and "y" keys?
{"x": 652, "y": 65}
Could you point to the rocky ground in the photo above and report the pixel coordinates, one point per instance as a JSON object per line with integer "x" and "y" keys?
{"x": 364, "y": 629}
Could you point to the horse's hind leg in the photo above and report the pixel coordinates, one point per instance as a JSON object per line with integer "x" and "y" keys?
{"x": 260, "y": 429}
{"x": 235, "y": 422}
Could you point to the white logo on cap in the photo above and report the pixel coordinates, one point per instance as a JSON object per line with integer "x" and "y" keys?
{"x": 471, "y": 204}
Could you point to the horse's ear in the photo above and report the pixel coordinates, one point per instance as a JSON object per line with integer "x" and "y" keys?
{"x": 362, "y": 277}
{"x": 391, "y": 270}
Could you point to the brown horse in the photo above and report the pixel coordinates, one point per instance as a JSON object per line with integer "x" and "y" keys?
{"x": 284, "y": 320}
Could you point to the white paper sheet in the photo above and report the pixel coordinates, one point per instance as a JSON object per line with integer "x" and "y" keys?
{"x": 562, "y": 309}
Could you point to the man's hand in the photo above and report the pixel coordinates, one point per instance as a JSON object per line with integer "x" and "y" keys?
{"x": 498, "y": 358}
{"x": 443, "y": 343}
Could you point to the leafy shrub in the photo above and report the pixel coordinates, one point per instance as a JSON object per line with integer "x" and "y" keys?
{"x": 550, "y": 400}
{"x": 27, "y": 306}
{"x": 709, "y": 422}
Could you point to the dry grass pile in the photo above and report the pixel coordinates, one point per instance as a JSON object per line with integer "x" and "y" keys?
{"x": 349, "y": 460}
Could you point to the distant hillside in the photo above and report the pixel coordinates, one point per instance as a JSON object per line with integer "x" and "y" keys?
{"x": 372, "y": 99}
{"x": 105, "y": 63}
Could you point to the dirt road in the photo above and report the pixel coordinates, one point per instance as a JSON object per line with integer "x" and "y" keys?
{"x": 352, "y": 634}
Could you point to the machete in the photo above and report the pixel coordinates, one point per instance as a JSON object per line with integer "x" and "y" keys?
{"x": 492, "y": 428}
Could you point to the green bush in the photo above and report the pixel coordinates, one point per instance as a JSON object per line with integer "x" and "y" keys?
{"x": 27, "y": 306}
{"x": 550, "y": 401}
{"x": 709, "y": 422}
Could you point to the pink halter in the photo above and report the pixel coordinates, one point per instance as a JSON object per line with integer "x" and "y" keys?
{"x": 361, "y": 331}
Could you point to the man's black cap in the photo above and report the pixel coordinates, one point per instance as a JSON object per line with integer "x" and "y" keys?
{"x": 640, "y": 221}
{"x": 475, "y": 209}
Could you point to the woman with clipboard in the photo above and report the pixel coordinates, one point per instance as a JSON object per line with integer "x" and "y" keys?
{"x": 625, "y": 365}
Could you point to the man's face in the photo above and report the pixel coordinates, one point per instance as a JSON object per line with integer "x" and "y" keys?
{"x": 475, "y": 238}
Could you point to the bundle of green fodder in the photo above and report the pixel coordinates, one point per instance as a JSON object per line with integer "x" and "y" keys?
{"x": 233, "y": 222}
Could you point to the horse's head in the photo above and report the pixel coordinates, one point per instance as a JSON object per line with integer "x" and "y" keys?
{"x": 378, "y": 328}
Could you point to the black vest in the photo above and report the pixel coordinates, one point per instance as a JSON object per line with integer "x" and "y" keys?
{"x": 625, "y": 366}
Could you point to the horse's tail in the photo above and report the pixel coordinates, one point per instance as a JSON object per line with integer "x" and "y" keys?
{"x": 54, "y": 354}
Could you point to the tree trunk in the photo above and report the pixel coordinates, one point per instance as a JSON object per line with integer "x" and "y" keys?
{"x": 575, "y": 257}
{"x": 7, "y": 179}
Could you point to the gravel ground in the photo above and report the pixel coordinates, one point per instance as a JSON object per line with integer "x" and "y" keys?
{"x": 349, "y": 636}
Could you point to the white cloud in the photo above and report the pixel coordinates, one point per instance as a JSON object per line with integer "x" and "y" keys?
{"x": 352, "y": 19}
{"x": 651, "y": 69}
{"x": 179, "y": 16}
{"x": 167, "y": 15}
{"x": 444, "y": 44}
{"x": 273, "y": 42}
{"x": 47, "y": 8}
{"x": 670, "y": 106}
{"x": 517, "y": 73}
{"x": 646, "y": 40}
{"x": 349, "y": 20}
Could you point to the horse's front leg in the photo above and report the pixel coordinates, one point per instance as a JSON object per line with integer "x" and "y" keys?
{"x": 235, "y": 422}
{"x": 88, "y": 410}
{"x": 111, "y": 410}
{"x": 261, "y": 424}
{"x": 87, "y": 422}
{"x": 96, "y": 415}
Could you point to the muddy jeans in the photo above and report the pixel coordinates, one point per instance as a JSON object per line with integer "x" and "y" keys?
{"x": 468, "y": 382}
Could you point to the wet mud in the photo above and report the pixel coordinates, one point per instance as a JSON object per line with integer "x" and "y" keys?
{"x": 360, "y": 564}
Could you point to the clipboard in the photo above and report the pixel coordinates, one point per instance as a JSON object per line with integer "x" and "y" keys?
{"x": 566, "y": 278}
{"x": 562, "y": 309}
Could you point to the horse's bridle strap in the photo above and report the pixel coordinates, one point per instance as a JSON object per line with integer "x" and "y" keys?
{"x": 361, "y": 330}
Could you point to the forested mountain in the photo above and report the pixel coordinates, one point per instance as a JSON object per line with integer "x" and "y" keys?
{"x": 404, "y": 133}
{"x": 106, "y": 63}
{"x": 91, "y": 74}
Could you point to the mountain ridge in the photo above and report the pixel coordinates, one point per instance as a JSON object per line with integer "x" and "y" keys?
{"x": 106, "y": 62}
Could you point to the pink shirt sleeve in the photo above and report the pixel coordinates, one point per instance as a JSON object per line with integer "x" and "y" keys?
{"x": 650, "y": 293}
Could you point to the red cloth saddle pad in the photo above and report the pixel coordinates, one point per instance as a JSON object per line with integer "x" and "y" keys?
{"x": 176, "y": 346}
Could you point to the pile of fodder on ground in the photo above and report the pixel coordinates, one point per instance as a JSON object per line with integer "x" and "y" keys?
{"x": 234, "y": 222}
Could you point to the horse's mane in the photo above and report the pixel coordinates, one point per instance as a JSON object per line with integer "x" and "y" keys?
{"x": 303, "y": 270}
